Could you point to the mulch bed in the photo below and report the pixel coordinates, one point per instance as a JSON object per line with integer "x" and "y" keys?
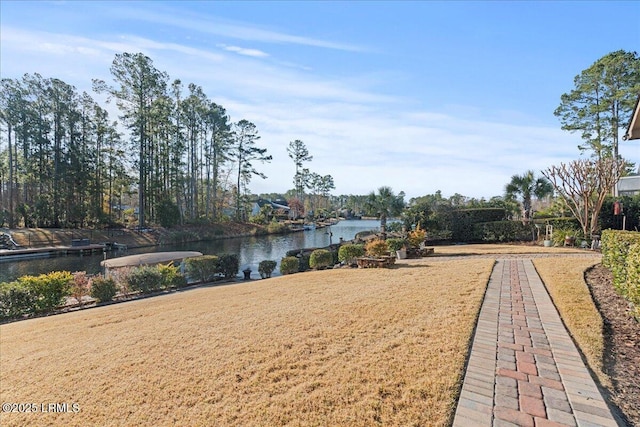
{"x": 622, "y": 344}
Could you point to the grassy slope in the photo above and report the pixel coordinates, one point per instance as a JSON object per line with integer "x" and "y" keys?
{"x": 340, "y": 347}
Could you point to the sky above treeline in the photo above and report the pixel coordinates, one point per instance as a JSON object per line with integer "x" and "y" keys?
{"x": 419, "y": 96}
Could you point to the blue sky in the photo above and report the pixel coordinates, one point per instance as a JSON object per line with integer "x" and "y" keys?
{"x": 420, "y": 96}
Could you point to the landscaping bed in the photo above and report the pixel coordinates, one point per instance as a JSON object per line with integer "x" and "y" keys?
{"x": 622, "y": 343}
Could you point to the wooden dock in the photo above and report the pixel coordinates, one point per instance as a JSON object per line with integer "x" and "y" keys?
{"x": 51, "y": 251}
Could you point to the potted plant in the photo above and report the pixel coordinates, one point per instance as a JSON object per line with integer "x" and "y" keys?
{"x": 398, "y": 246}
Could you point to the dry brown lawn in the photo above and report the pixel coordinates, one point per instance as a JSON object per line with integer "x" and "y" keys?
{"x": 564, "y": 279}
{"x": 501, "y": 249}
{"x": 340, "y": 347}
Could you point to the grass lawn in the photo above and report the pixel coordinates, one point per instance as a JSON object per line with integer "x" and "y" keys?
{"x": 341, "y": 347}
{"x": 564, "y": 279}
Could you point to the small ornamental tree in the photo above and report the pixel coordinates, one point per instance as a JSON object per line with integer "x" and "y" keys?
{"x": 416, "y": 237}
{"x": 80, "y": 286}
{"x": 584, "y": 185}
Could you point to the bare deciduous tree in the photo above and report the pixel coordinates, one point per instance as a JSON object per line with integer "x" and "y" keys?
{"x": 584, "y": 184}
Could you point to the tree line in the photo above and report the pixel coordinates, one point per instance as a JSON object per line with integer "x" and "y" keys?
{"x": 65, "y": 162}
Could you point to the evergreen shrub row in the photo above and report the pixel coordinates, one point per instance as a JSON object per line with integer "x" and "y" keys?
{"x": 463, "y": 220}
{"x": 34, "y": 294}
{"x": 208, "y": 267}
{"x": 501, "y": 231}
{"x": 349, "y": 252}
{"x": 320, "y": 258}
{"x": 621, "y": 255}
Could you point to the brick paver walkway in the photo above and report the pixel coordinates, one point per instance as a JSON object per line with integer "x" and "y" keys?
{"x": 524, "y": 369}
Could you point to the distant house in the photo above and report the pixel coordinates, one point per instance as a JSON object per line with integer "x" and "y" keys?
{"x": 278, "y": 205}
{"x": 630, "y": 185}
{"x": 633, "y": 132}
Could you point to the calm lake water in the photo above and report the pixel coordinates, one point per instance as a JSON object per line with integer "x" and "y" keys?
{"x": 251, "y": 250}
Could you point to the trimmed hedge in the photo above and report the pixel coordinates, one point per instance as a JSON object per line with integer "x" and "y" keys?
{"x": 16, "y": 300}
{"x": 202, "y": 268}
{"x": 50, "y": 289}
{"x": 623, "y": 261}
{"x": 463, "y": 220}
{"x": 289, "y": 265}
{"x": 563, "y": 223}
{"x": 228, "y": 265}
{"x": 502, "y": 231}
{"x": 349, "y": 252}
{"x": 34, "y": 294}
{"x": 631, "y": 208}
{"x": 145, "y": 279}
{"x": 171, "y": 277}
{"x": 205, "y": 268}
{"x": 633, "y": 278}
{"x": 320, "y": 258}
{"x": 103, "y": 289}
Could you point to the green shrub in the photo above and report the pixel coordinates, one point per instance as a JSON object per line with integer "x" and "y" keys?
{"x": 16, "y": 300}
{"x": 103, "y": 289}
{"x": 320, "y": 258}
{"x": 396, "y": 244}
{"x": 563, "y": 223}
{"x": 633, "y": 278}
{"x": 349, "y": 252}
{"x": 202, "y": 268}
{"x": 228, "y": 265}
{"x": 171, "y": 277}
{"x": 615, "y": 249}
{"x": 631, "y": 208}
{"x": 266, "y": 267}
{"x": 50, "y": 289}
{"x": 560, "y": 234}
{"x": 376, "y": 247}
{"x": 289, "y": 265}
{"x": 502, "y": 231}
{"x": 145, "y": 279}
{"x": 463, "y": 220}
{"x": 275, "y": 227}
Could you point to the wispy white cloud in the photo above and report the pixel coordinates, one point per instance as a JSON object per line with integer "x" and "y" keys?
{"x": 230, "y": 29}
{"x": 244, "y": 51}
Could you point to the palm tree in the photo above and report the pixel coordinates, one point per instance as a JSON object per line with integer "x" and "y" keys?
{"x": 385, "y": 204}
{"x": 527, "y": 185}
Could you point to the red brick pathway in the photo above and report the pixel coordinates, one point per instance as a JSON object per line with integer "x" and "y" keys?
{"x": 524, "y": 369}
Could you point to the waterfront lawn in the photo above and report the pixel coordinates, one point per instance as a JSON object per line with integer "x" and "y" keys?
{"x": 341, "y": 347}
